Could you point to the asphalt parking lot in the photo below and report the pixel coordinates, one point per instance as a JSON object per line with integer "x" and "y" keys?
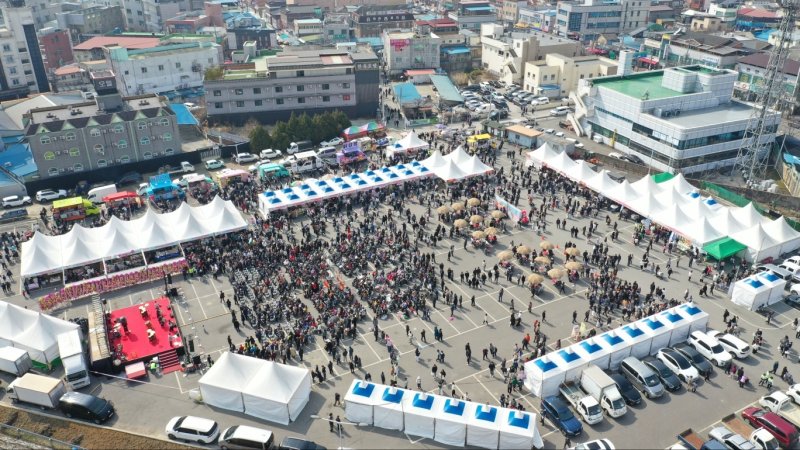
{"x": 145, "y": 407}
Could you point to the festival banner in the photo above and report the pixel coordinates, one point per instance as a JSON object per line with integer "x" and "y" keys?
{"x": 512, "y": 211}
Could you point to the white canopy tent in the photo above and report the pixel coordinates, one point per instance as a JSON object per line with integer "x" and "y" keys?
{"x": 451, "y": 423}
{"x": 680, "y": 325}
{"x": 360, "y": 400}
{"x": 221, "y": 386}
{"x": 450, "y": 172}
{"x": 775, "y": 283}
{"x": 474, "y": 166}
{"x": 457, "y": 156}
{"x": 420, "y": 412}
{"x": 570, "y": 362}
{"x": 581, "y": 172}
{"x": 33, "y": 331}
{"x": 518, "y": 430}
{"x": 543, "y": 375}
{"x": 781, "y": 231}
{"x": 747, "y": 215}
{"x": 409, "y": 144}
{"x": 698, "y": 317}
{"x": 638, "y": 340}
{"x": 616, "y": 347}
{"x": 435, "y": 160}
{"x": 592, "y": 352}
{"x": 701, "y": 230}
{"x": 601, "y": 182}
{"x": 388, "y": 413}
{"x": 759, "y": 243}
{"x": 483, "y": 426}
{"x": 672, "y": 217}
{"x": 658, "y": 331}
{"x": 750, "y": 293}
{"x": 541, "y": 156}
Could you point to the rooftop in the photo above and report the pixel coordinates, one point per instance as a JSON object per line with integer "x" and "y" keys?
{"x": 790, "y": 67}
{"x": 89, "y": 109}
{"x": 128, "y": 42}
{"x": 523, "y": 131}
{"x": 638, "y": 84}
{"x": 727, "y": 113}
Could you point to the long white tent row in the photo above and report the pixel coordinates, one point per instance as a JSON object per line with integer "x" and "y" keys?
{"x": 46, "y": 254}
{"x": 259, "y": 388}
{"x": 761, "y": 289}
{"x": 34, "y": 332}
{"x": 677, "y": 205}
{"x": 454, "y": 166}
{"x": 446, "y": 420}
{"x": 644, "y": 337}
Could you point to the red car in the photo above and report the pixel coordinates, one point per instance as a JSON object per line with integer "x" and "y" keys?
{"x": 783, "y": 430}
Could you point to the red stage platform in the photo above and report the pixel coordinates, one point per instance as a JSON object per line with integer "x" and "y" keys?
{"x": 146, "y": 337}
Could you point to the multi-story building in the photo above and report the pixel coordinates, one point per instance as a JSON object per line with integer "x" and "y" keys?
{"x": 306, "y": 27}
{"x": 755, "y": 19}
{"x": 71, "y": 77}
{"x": 334, "y": 5}
{"x": 471, "y": 14}
{"x": 336, "y": 28}
{"x": 285, "y": 17}
{"x": 92, "y": 48}
{"x": 405, "y": 50}
{"x": 109, "y": 131}
{"x": 371, "y": 20}
{"x": 312, "y": 81}
{"x": 163, "y": 68}
{"x": 56, "y": 47}
{"x": 245, "y": 26}
{"x": 556, "y": 75}
{"x": 91, "y": 21}
{"x": 505, "y": 55}
{"x": 752, "y": 69}
{"x": 151, "y": 15}
{"x": 681, "y": 119}
{"x": 720, "y": 52}
{"x": 22, "y": 69}
{"x": 509, "y": 12}
{"x": 790, "y": 173}
{"x": 538, "y": 19}
{"x": 588, "y": 20}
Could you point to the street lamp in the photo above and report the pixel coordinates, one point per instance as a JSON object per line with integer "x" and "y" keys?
{"x": 338, "y": 428}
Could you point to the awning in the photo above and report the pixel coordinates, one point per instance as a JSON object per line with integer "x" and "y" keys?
{"x": 648, "y": 60}
{"x": 662, "y": 177}
{"x": 723, "y": 248}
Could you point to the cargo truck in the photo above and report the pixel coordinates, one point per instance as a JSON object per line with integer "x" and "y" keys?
{"x": 693, "y": 441}
{"x": 70, "y": 348}
{"x": 761, "y": 438}
{"x": 39, "y": 390}
{"x": 15, "y": 361}
{"x": 602, "y": 388}
{"x": 585, "y": 405}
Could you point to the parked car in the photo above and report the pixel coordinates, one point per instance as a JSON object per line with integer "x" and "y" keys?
{"x": 731, "y": 440}
{"x": 245, "y": 438}
{"x": 560, "y": 134}
{"x": 13, "y": 201}
{"x": 48, "y": 195}
{"x": 632, "y": 159}
{"x": 616, "y": 155}
{"x": 710, "y": 348}
{"x": 550, "y": 131}
{"x": 294, "y": 443}
{"x": 557, "y": 411}
{"x": 597, "y": 444}
{"x": 695, "y": 358}
{"x": 664, "y": 373}
{"x": 626, "y": 389}
{"x": 270, "y": 153}
{"x": 784, "y": 431}
{"x": 86, "y": 407}
{"x": 332, "y": 142}
{"x": 129, "y": 178}
{"x": 12, "y": 215}
{"x": 498, "y": 114}
{"x": 213, "y": 164}
{"x": 678, "y": 364}
{"x": 191, "y": 428}
{"x": 244, "y": 158}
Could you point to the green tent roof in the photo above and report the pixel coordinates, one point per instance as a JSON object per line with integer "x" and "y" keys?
{"x": 723, "y": 248}
{"x": 662, "y": 177}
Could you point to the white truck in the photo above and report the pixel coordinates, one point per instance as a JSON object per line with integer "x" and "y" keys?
{"x": 39, "y": 390}
{"x": 760, "y": 438}
{"x": 70, "y": 348}
{"x": 585, "y": 405}
{"x": 15, "y": 361}
{"x": 599, "y": 385}
{"x": 185, "y": 167}
{"x": 303, "y": 162}
{"x": 779, "y": 402}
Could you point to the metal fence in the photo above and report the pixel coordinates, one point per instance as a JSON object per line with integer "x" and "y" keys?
{"x": 36, "y": 438}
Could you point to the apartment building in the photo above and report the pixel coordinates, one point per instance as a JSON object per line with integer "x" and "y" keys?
{"x": 307, "y": 27}
{"x": 151, "y": 15}
{"x": 22, "y": 69}
{"x": 538, "y": 19}
{"x": 471, "y": 14}
{"x": 56, "y": 47}
{"x": 299, "y": 80}
{"x": 509, "y": 11}
{"x": 753, "y": 68}
{"x": 371, "y": 20}
{"x": 405, "y": 50}
{"x": 90, "y": 21}
{"x": 336, "y": 28}
{"x": 92, "y": 48}
{"x": 111, "y": 130}
{"x": 71, "y": 77}
{"x": 589, "y": 19}
{"x": 163, "y": 68}
{"x": 557, "y": 75}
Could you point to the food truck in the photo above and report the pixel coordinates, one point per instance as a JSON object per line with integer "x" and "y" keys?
{"x": 122, "y": 198}
{"x": 161, "y": 188}
{"x": 75, "y": 208}
{"x": 479, "y": 141}
{"x": 195, "y": 183}
{"x": 227, "y": 176}
{"x": 351, "y": 153}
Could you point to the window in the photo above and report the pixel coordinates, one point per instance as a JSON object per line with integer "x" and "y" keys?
{"x": 301, "y": 88}
{"x": 167, "y": 136}
{"x": 169, "y": 151}
{"x": 122, "y": 143}
{"x": 164, "y": 122}
{"x": 301, "y": 73}
{"x": 259, "y": 102}
{"x": 6, "y": 48}
{"x": 278, "y": 88}
{"x": 141, "y": 125}
{"x": 326, "y": 98}
{"x": 301, "y": 100}
{"x": 101, "y": 163}
{"x": 49, "y": 156}
{"x": 147, "y": 155}
{"x": 279, "y": 101}
{"x": 346, "y": 85}
{"x": 144, "y": 69}
{"x": 256, "y": 90}
{"x": 12, "y": 71}
{"x": 125, "y": 159}
{"x": 70, "y": 136}
{"x": 10, "y": 59}
{"x": 74, "y": 152}
{"x": 45, "y": 139}
{"x": 52, "y": 171}
{"x": 346, "y": 98}
{"x": 117, "y": 129}
{"x": 94, "y": 132}
{"x": 326, "y": 86}
{"x": 177, "y": 65}
{"x": 240, "y": 103}
{"x": 144, "y": 141}
{"x": 217, "y": 93}
{"x": 78, "y": 167}
{"x": 218, "y": 105}
{"x": 239, "y": 91}
{"x": 15, "y": 82}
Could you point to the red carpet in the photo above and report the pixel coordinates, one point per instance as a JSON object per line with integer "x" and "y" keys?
{"x": 136, "y": 346}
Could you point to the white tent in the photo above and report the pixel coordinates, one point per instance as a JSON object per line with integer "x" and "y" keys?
{"x": 700, "y": 231}
{"x": 483, "y": 426}
{"x": 623, "y": 194}
{"x": 542, "y": 155}
{"x": 420, "y": 412}
{"x": 593, "y": 352}
{"x": 388, "y": 413}
{"x": 658, "y": 331}
{"x": 458, "y": 156}
{"x": 698, "y": 317}
{"x": 450, "y": 172}
{"x": 759, "y": 243}
{"x": 747, "y": 215}
{"x": 601, "y": 182}
{"x": 582, "y": 172}
{"x": 14, "y": 320}
{"x": 562, "y": 163}
{"x": 775, "y": 284}
{"x": 451, "y": 423}
{"x": 359, "y": 401}
{"x": 518, "y": 430}
{"x": 750, "y": 293}
{"x": 475, "y": 166}
{"x": 40, "y": 339}
{"x": 672, "y": 217}
{"x": 40, "y": 254}
{"x": 680, "y": 325}
{"x": 647, "y": 185}
{"x": 617, "y": 348}
{"x": 638, "y": 340}
{"x": 782, "y": 232}
{"x": 435, "y": 160}
{"x": 277, "y": 392}
{"x": 679, "y": 183}
{"x": 410, "y": 143}
{"x": 543, "y": 376}
{"x": 647, "y": 204}
{"x": 221, "y": 386}
{"x": 570, "y": 362}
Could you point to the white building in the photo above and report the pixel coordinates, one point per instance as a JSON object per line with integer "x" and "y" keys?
{"x": 557, "y": 75}
{"x": 164, "y": 68}
{"x": 588, "y": 20}
{"x": 680, "y": 119}
{"x": 22, "y": 65}
{"x": 405, "y": 50}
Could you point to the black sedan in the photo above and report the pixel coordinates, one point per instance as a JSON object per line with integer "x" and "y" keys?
{"x": 667, "y": 376}
{"x": 698, "y": 361}
{"x": 626, "y": 389}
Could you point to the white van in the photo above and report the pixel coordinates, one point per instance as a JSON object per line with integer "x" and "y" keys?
{"x": 559, "y": 111}
{"x": 541, "y": 101}
{"x": 70, "y": 350}
{"x": 95, "y": 195}
{"x": 327, "y": 153}
{"x": 244, "y": 437}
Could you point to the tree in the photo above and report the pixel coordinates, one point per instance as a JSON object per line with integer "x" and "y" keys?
{"x": 280, "y": 136}
{"x": 342, "y": 120}
{"x": 293, "y": 127}
{"x": 305, "y": 128}
{"x": 214, "y": 73}
{"x": 260, "y": 139}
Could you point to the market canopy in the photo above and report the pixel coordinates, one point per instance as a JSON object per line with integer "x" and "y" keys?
{"x": 662, "y": 177}
{"x": 33, "y": 331}
{"x": 723, "y": 248}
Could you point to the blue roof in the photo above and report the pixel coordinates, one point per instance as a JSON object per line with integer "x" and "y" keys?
{"x": 452, "y": 406}
{"x": 455, "y": 50}
{"x": 590, "y": 348}
{"x": 423, "y": 403}
{"x": 374, "y": 42}
{"x": 363, "y": 391}
{"x": 613, "y": 339}
{"x": 520, "y": 422}
{"x": 545, "y": 366}
{"x": 406, "y": 92}
{"x": 754, "y": 283}
{"x": 568, "y": 356}
{"x": 183, "y": 115}
{"x": 446, "y": 89}
{"x": 479, "y": 8}
{"x": 691, "y": 309}
{"x": 791, "y": 159}
{"x": 694, "y": 194}
{"x": 672, "y": 317}
{"x": 160, "y": 181}
{"x": 769, "y": 276}
{"x": 392, "y": 398}
{"x": 485, "y": 412}
{"x": 652, "y": 324}
{"x": 17, "y": 157}
{"x": 632, "y": 332}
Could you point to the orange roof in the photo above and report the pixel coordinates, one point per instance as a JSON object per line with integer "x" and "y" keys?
{"x": 66, "y": 70}
{"x": 129, "y": 42}
{"x": 413, "y": 72}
